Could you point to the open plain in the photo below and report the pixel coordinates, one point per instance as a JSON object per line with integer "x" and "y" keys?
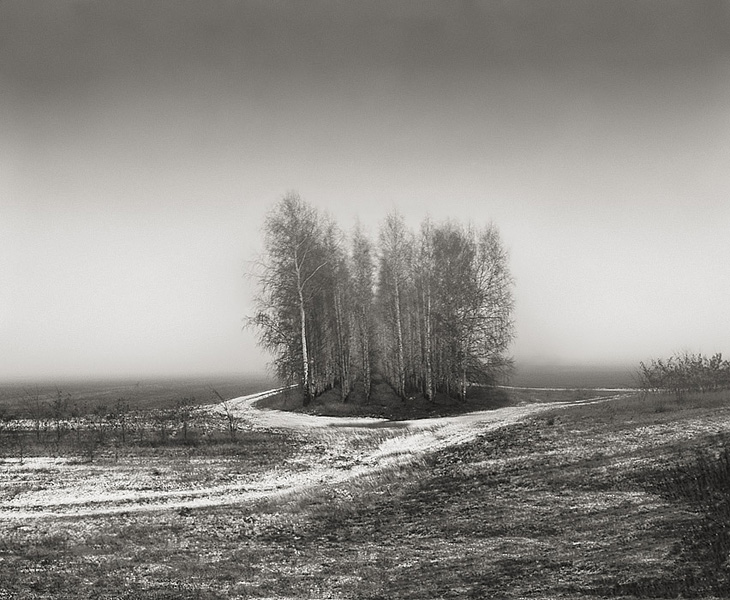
{"x": 587, "y": 497}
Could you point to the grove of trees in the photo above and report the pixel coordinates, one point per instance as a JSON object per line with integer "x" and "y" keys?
{"x": 429, "y": 311}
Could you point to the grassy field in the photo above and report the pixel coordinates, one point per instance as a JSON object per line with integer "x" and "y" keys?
{"x": 94, "y": 420}
{"x": 626, "y": 498}
{"x": 32, "y": 398}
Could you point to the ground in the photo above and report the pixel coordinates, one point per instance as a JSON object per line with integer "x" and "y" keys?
{"x": 587, "y": 499}
{"x": 385, "y": 403}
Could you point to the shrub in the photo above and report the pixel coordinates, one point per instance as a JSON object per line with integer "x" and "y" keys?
{"x": 684, "y": 373}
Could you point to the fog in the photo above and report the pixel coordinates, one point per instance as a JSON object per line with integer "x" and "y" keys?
{"x": 141, "y": 145}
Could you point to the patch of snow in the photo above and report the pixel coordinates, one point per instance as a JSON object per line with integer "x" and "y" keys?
{"x": 335, "y": 450}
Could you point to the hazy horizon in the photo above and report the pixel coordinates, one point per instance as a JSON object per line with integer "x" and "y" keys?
{"x": 524, "y": 374}
{"x": 141, "y": 145}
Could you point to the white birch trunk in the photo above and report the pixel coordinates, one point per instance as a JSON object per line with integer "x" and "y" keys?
{"x": 399, "y": 336}
{"x": 427, "y": 342}
{"x": 306, "y": 375}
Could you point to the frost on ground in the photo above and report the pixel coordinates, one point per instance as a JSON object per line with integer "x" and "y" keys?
{"x": 332, "y": 450}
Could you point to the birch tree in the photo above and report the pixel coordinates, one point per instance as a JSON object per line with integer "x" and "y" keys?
{"x": 424, "y": 279}
{"x": 363, "y": 269}
{"x": 473, "y": 305}
{"x": 289, "y": 278}
{"x": 491, "y": 320}
{"x": 392, "y": 283}
{"x": 339, "y": 302}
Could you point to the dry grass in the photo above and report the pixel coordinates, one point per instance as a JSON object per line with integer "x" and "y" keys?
{"x": 605, "y": 500}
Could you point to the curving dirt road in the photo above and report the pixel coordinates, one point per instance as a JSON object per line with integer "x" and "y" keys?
{"x": 332, "y": 450}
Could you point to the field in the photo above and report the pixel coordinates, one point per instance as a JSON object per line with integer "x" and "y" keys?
{"x": 30, "y": 398}
{"x": 574, "y": 493}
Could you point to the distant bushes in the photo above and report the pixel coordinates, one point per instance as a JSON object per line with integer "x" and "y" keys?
{"x": 683, "y": 373}
{"x": 55, "y": 428}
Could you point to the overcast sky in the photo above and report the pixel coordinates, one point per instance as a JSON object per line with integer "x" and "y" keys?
{"x": 141, "y": 144}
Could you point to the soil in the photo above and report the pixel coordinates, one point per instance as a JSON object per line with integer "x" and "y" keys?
{"x": 330, "y": 450}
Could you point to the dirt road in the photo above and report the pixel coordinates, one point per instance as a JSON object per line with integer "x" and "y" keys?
{"x": 331, "y": 450}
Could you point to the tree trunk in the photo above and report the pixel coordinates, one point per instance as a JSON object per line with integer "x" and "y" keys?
{"x": 462, "y": 391}
{"x": 363, "y": 332}
{"x": 343, "y": 358}
{"x": 427, "y": 344}
{"x": 306, "y": 375}
{"x": 399, "y": 336}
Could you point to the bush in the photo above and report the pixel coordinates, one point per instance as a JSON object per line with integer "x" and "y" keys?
{"x": 684, "y": 373}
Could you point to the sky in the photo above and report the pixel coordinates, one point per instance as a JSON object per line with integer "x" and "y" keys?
{"x": 142, "y": 143}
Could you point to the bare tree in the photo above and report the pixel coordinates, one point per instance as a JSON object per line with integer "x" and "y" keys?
{"x": 425, "y": 281}
{"x": 393, "y": 274}
{"x": 121, "y": 411}
{"x": 294, "y": 259}
{"x": 491, "y": 322}
{"x": 363, "y": 269}
{"x": 473, "y": 305}
{"x": 339, "y": 292}
{"x": 231, "y": 417}
{"x": 59, "y": 408}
